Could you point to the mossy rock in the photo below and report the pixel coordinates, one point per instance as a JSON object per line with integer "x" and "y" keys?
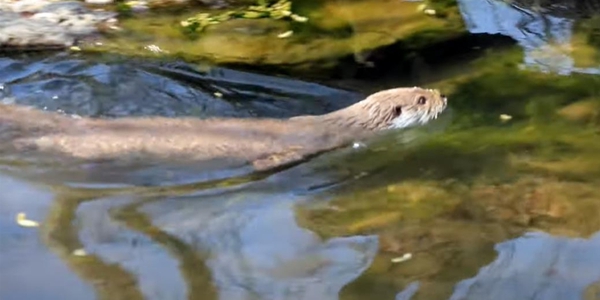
{"x": 334, "y": 30}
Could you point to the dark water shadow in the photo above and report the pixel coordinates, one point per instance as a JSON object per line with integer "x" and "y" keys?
{"x": 113, "y": 87}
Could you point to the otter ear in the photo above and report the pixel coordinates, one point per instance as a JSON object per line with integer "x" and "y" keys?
{"x": 397, "y": 110}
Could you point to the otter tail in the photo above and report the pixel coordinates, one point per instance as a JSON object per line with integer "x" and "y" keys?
{"x": 18, "y": 121}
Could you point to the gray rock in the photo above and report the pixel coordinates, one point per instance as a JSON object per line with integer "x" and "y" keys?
{"x": 17, "y": 32}
{"x": 45, "y": 24}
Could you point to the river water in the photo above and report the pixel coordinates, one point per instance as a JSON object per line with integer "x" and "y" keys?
{"x": 498, "y": 199}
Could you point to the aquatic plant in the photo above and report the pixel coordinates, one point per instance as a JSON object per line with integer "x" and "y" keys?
{"x": 280, "y": 10}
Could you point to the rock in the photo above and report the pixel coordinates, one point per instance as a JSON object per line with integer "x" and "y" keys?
{"x": 47, "y": 24}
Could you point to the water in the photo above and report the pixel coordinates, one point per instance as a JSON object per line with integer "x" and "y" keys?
{"x": 483, "y": 206}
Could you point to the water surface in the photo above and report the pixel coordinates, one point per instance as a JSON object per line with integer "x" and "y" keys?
{"x": 498, "y": 199}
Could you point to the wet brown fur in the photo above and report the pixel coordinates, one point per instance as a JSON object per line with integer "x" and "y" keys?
{"x": 266, "y": 143}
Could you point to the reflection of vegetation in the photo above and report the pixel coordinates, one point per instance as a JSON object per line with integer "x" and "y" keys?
{"x": 109, "y": 280}
{"x": 192, "y": 266}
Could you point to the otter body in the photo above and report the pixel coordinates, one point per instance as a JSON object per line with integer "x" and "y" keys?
{"x": 265, "y": 143}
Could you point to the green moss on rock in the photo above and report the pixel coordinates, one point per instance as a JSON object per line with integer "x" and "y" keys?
{"x": 334, "y": 31}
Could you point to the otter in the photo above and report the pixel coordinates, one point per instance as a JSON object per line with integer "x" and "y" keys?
{"x": 263, "y": 143}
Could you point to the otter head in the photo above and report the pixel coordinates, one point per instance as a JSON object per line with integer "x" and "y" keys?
{"x": 401, "y": 107}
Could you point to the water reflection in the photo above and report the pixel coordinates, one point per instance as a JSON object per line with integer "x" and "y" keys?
{"x": 156, "y": 273}
{"x": 28, "y": 270}
{"x": 547, "y": 41}
{"x": 257, "y": 251}
{"x": 243, "y": 243}
{"x": 534, "y": 266}
{"x": 538, "y": 266}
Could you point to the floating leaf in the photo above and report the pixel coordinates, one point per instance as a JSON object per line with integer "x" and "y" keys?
{"x": 24, "y": 222}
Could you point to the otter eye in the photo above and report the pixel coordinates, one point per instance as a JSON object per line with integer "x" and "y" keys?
{"x": 398, "y": 110}
{"x": 422, "y": 100}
